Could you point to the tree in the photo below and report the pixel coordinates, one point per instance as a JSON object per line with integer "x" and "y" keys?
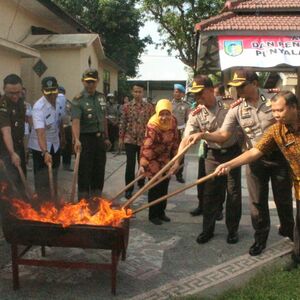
{"x": 118, "y": 23}
{"x": 176, "y": 21}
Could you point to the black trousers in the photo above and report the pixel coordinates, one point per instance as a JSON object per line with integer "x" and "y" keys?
{"x": 91, "y": 166}
{"x": 296, "y": 253}
{"x": 214, "y": 191}
{"x": 41, "y": 177}
{"x": 274, "y": 168}
{"x": 132, "y": 155}
{"x": 113, "y": 131}
{"x": 13, "y": 173}
{"x": 156, "y": 192}
{"x": 200, "y": 187}
{"x": 66, "y": 152}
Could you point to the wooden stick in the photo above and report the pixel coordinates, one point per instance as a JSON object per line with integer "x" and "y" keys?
{"x": 151, "y": 181}
{"x": 51, "y": 184}
{"x": 28, "y": 190}
{"x": 199, "y": 181}
{"x": 128, "y": 186}
{"x": 75, "y": 177}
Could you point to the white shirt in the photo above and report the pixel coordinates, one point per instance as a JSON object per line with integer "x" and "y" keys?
{"x": 29, "y": 115}
{"x": 46, "y": 116}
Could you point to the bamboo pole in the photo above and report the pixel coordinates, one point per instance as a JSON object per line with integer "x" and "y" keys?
{"x": 75, "y": 177}
{"x": 51, "y": 184}
{"x": 151, "y": 181}
{"x": 199, "y": 181}
{"x": 128, "y": 186}
{"x": 28, "y": 191}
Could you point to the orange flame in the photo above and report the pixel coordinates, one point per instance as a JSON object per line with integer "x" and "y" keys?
{"x": 71, "y": 214}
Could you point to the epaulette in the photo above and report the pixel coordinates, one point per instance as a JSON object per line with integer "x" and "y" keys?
{"x": 228, "y": 97}
{"x": 273, "y": 91}
{"x": 197, "y": 110}
{"x": 236, "y": 103}
{"x": 78, "y": 96}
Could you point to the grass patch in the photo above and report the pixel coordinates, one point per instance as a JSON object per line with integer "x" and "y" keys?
{"x": 270, "y": 284}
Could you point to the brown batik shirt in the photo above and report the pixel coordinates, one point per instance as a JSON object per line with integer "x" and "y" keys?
{"x": 288, "y": 141}
{"x": 134, "y": 118}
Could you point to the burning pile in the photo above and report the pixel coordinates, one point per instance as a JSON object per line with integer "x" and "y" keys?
{"x": 71, "y": 214}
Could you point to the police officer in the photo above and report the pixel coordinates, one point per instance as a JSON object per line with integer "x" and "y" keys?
{"x": 208, "y": 117}
{"x": 89, "y": 126}
{"x": 254, "y": 115}
{"x": 181, "y": 113}
{"x": 45, "y": 138}
{"x": 12, "y": 120}
{"x": 112, "y": 119}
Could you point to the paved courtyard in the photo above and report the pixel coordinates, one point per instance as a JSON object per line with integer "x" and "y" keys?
{"x": 162, "y": 261}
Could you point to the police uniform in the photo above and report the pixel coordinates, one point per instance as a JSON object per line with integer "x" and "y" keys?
{"x": 209, "y": 120}
{"x": 180, "y": 112}
{"x": 254, "y": 120}
{"x": 13, "y": 115}
{"x": 91, "y": 111}
{"x": 46, "y": 116}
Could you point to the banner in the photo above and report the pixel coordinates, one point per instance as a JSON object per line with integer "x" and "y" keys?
{"x": 258, "y": 51}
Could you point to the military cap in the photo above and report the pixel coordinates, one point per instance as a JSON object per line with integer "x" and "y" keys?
{"x": 200, "y": 83}
{"x": 90, "y": 75}
{"x": 49, "y": 85}
{"x": 241, "y": 77}
{"x": 179, "y": 87}
{"x": 61, "y": 89}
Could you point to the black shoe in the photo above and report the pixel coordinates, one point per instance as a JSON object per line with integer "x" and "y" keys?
{"x": 128, "y": 194}
{"x": 165, "y": 218}
{"x": 196, "y": 212}
{"x": 220, "y": 216}
{"x": 156, "y": 221}
{"x": 257, "y": 248}
{"x": 289, "y": 234}
{"x": 232, "y": 238}
{"x": 204, "y": 237}
{"x": 180, "y": 179}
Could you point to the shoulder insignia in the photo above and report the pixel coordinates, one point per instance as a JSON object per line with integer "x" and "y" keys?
{"x": 227, "y": 98}
{"x": 273, "y": 91}
{"x": 236, "y": 103}
{"x": 197, "y": 110}
{"x": 78, "y": 96}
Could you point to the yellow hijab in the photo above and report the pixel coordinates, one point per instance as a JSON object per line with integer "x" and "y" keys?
{"x": 163, "y": 104}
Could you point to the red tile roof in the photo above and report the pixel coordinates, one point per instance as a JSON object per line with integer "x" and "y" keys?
{"x": 230, "y": 21}
{"x": 263, "y": 4}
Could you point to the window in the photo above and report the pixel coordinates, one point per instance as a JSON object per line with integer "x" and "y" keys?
{"x": 106, "y": 82}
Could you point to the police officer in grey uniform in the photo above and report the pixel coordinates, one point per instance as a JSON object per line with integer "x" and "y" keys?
{"x": 181, "y": 112}
{"x": 254, "y": 115}
{"x": 89, "y": 126}
{"x": 208, "y": 117}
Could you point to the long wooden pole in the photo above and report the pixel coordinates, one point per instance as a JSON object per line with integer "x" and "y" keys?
{"x": 28, "y": 190}
{"x": 51, "y": 184}
{"x": 75, "y": 177}
{"x": 199, "y": 181}
{"x": 128, "y": 186}
{"x": 151, "y": 181}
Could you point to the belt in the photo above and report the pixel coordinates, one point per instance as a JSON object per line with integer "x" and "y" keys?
{"x": 223, "y": 150}
{"x": 96, "y": 134}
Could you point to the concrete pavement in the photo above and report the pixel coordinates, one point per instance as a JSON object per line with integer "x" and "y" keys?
{"x": 162, "y": 261}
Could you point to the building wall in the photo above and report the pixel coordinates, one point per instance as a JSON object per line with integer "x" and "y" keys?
{"x": 10, "y": 63}
{"x": 16, "y": 22}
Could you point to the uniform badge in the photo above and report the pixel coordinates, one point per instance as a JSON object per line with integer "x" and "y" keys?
{"x": 16, "y": 124}
{"x": 90, "y": 116}
{"x": 248, "y": 129}
{"x": 268, "y": 103}
{"x": 13, "y": 111}
{"x": 87, "y": 104}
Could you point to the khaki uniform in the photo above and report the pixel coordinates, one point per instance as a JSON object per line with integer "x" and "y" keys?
{"x": 13, "y": 115}
{"x": 254, "y": 120}
{"x": 91, "y": 110}
{"x": 210, "y": 120}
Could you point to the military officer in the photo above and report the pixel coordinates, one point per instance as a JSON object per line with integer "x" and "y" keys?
{"x": 254, "y": 115}
{"x": 209, "y": 117}
{"x": 89, "y": 126}
{"x": 181, "y": 112}
{"x": 45, "y": 138}
{"x": 12, "y": 120}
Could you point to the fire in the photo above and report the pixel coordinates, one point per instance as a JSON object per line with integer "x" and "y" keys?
{"x": 70, "y": 214}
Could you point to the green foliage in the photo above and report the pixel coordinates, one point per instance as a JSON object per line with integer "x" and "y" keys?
{"x": 118, "y": 23}
{"x": 177, "y": 20}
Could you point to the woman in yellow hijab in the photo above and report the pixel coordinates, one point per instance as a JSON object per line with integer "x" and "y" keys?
{"x": 159, "y": 146}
